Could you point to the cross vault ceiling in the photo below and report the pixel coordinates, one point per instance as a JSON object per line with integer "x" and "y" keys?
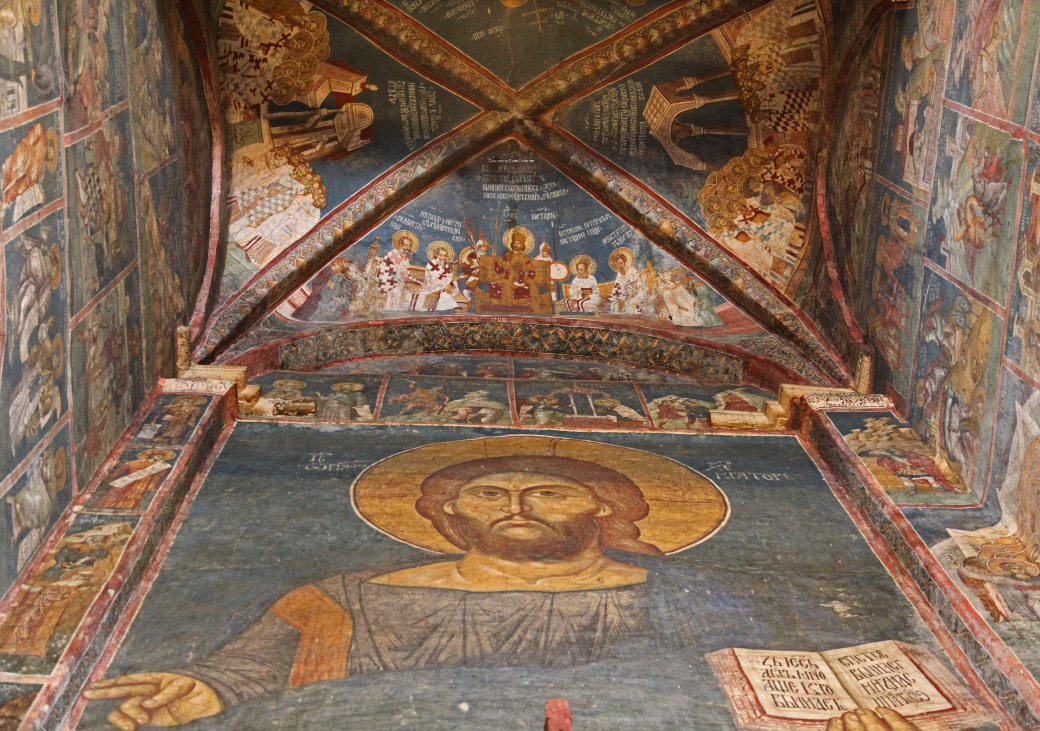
{"x": 658, "y": 155}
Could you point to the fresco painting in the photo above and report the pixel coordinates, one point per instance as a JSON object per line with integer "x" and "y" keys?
{"x": 172, "y": 420}
{"x": 919, "y": 59}
{"x": 557, "y": 369}
{"x": 163, "y": 305}
{"x": 337, "y": 395}
{"x": 581, "y": 519}
{"x": 501, "y": 391}
{"x": 850, "y": 167}
{"x": 33, "y": 504}
{"x": 518, "y": 40}
{"x": 580, "y": 404}
{"x": 151, "y": 87}
{"x": 994, "y": 46}
{"x": 315, "y": 112}
{"x": 101, "y": 208}
{"x": 107, "y": 380}
{"x": 193, "y": 142}
{"x": 31, "y": 171}
{"x": 428, "y": 400}
{"x": 59, "y": 591}
{"x": 894, "y": 275}
{"x": 1023, "y": 337}
{"x": 29, "y": 75}
{"x": 489, "y": 366}
{"x": 34, "y": 372}
{"x": 972, "y": 218}
{"x": 15, "y": 701}
{"x": 424, "y": 564}
{"x": 94, "y": 57}
{"x": 911, "y": 470}
{"x": 675, "y": 406}
{"x": 508, "y": 234}
{"x": 725, "y": 129}
{"x": 954, "y": 387}
{"x": 133, "y": 482}
{"x": 996, "y": 565}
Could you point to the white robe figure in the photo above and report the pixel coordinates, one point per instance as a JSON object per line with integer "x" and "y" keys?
{"x": 585, "y": 296}
{"x": 391, "y": 275}
{"x": 630, "y": 295}
{"x": 438, "y": 281}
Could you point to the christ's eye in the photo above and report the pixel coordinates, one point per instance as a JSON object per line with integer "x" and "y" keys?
{"x": 549, "y": 493}
{"x": 489, "y": 494}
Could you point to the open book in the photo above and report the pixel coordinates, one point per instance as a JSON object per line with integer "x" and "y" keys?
{"x": 789, "y": 691}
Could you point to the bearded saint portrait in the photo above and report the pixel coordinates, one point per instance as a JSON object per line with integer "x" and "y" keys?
{"x": 556, "y": 558}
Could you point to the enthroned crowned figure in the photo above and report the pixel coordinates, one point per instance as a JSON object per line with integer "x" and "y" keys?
{"x": 553, "y": 573}
{"x": 516, "y": 283}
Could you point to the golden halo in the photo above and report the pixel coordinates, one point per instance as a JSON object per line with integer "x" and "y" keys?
{"x": 400, "y": 236}
{"x": 287, "y": 383}
{"x": 686, "y": 508}
{"x": 52, "y": 150}
{"x": 55, "y": 261}
{"x": 625, "y": 252}
{"x": 60, "y": 461}
{"x": 57, "y": 357}
{"x": 348, "y": 386}
{"x": 507, "y": 238}
{"x": 583, "y": 259}
{"x": 162, "y": 455}
{"x": 437, "y": 245}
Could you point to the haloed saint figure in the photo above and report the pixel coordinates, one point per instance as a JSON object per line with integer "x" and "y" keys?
{"x": 554, "y": 571}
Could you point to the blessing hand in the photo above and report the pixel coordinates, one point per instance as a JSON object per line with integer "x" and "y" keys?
{"x": 156, "y": 699}
{"x": 880, "y": 719}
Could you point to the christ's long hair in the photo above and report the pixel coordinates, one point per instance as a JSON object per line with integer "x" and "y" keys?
{"x": 617, "y": 530}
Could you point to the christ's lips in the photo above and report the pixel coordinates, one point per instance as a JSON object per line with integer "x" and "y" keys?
{"x": 518, "y": 521}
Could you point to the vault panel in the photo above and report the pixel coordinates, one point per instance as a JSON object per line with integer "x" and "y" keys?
{"x": 518, "y": 40}
{"x": 580, "y": 260}
{"x": 315, "y": 113}
{"x": 724, "y": 129}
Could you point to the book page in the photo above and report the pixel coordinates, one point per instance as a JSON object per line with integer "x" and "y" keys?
{"x": 794, "y": 684}
{"x": 881, "y": 674}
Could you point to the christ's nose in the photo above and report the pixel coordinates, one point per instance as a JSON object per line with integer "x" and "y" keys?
{"x": 516, "y": 505}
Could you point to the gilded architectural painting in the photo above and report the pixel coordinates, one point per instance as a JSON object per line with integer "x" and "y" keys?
{"x": 315, "y": 112}
{"x": 724, "y": 129}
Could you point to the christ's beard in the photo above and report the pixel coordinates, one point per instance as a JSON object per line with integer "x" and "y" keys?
{"x": 552, "y": 542}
